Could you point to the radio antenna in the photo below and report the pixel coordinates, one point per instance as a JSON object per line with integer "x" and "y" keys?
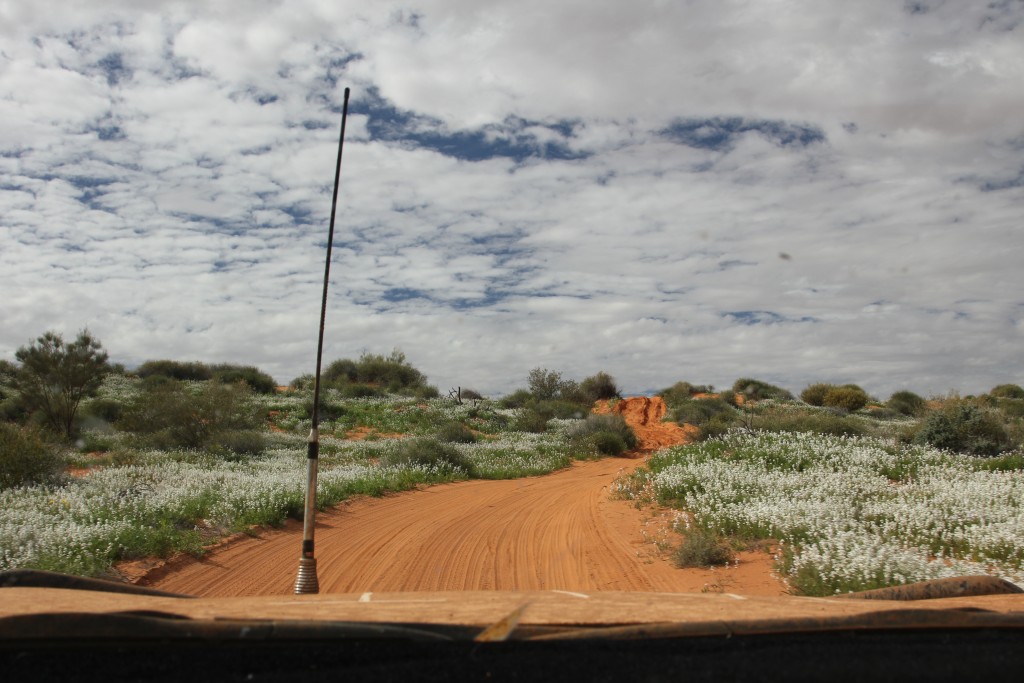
{"x": 306, "y": 580}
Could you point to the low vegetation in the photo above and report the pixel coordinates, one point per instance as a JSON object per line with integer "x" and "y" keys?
{"x": 851, "y": 513}
{"x": 858, "y": 493}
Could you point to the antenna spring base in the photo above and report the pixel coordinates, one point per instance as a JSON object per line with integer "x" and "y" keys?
{"x": 306, "y": 581}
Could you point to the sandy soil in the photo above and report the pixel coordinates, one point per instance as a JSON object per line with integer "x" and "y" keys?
{"x": 562, "y": 531}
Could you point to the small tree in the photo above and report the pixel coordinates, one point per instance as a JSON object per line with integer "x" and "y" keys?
{"x": 544, "y": 384}
{"x": 54, "y": 377}
{"x": 599, "y": 387}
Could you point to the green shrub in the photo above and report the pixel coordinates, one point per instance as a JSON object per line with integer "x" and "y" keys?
{"x": 545, "y": 384}
{"x": 1010, "y": 407}
{"x": 359, "y": 390}
{"x": 235, "y": 442}
{"x": 191, "y": 416}
{"x": 424, "y": 392}
{"x": 884, "y": 413}
{"x": 906, "y": 403}
{"x": 339, "y": 372}
{"x": 530, "y": 420}
{"x": 718, "y": 425}
{"x": 729, "y": 396}
{"x": 517, "y": 399}
{"x": 963, "y": 427}
{"x": 1007, "y": 391}
{"x": 55, "y": 376}
{"x": 193, "y": 371}
{"x": 683, "y": 391}
{"x": 608, "y": 443}
{"x": 25, "y": 458}
{"x": 599, "y": 387}
{"x": 329, "y": 411}
{"x": 379, "y": 374}
{"x": 807, "y": 420}
{"x": 105, "y": 409}
{"x": 563, "y": 410}
{"x": 430, "y": 453}
{"x": 14, "y": 408}
{"x": 699, "y": 411}
{"x": 91, "y": 441}
{"x": 258, "y": 381}
{"x": 392, "y": 372}
{"x": 814, "y": 394}
{"x": 455, "y": 432}
{"x": 607, "y": 434}
{"x": 1008, "y": 462}
{"x": 753, "y": 389}
{"x": 702, "y": 548}
{"x": 848, "y": 397}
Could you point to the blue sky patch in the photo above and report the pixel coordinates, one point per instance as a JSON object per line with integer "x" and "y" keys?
{"x": 720, "y": 134}
{"x": 764, "y": 318}
{"x": 510, "y": 139}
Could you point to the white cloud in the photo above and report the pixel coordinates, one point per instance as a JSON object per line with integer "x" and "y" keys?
{"x": 165, "y": 178}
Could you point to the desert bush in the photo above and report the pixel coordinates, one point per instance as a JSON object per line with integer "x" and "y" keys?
{"x": 517, "y": 399}
{"x": 191, "y": 415}
{"x": 377, "y": 373}
{"x": 608, "y": 443}
{"x": 884, "y": 413}
{"x": 359, "y": 390}
{"x": 718, "y": 425}
{"x": 329, "y": 410}
{"x": 429, "y": 453}
{"x": 237, "y": 442}
{"x": 105, "y": 409}
{"x": 606, "y": 434}
{"x": 1007, "y": 391}
{"x": 13, "y": 408}
{"x": 849, "y": 397}
{"x": 1010, "y": 407}
{"x": 470, "y": 395}
{"x": 599, "y": 387}
{"x": 806, "y": 420}
{"x": 563, "y": 410}
{"x": 455, "y": 432}
{"x": 393, "y": 372}
{"x": 699, "y": 411}
{"x": 683, "y": 391}
{"x": 964, "y": 427}
{"x": 26, "y": 458}
{"x": 730, "y": 397}
{"x": 54, "y": 376}
{"x": 258, "y": 381}
{"x": 8, "y": 372}
{"x": 530, "y": 420}
{"x": 757, "y": 390}
{"x": 814, "y": 394}
{"x": 906, "y": 403}
{"x": 702, "y": 548}
{"x": 182, "y": 371}
{"x": 544, "y": 385}
{"x": 424, "y": 392}
{"x": 339, "y": 372}
{"x": 302, "y": 383}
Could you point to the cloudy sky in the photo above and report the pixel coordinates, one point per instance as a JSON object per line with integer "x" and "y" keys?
{"x": 794, "y": 190}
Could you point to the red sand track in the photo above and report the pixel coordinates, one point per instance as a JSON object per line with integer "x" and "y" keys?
{"x": 560, "y": 531}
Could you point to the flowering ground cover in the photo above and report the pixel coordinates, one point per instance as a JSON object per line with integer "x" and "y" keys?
{"x": 851, "y": 513}
{"x": 145, "y": 501}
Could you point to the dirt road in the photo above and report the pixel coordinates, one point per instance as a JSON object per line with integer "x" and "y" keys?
{"x": 561, "y": 531}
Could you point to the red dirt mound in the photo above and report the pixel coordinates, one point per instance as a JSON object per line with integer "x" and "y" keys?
{"x": 645, "y": 414}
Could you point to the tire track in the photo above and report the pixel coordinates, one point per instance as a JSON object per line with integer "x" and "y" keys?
{"x": 561, "y": 531}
